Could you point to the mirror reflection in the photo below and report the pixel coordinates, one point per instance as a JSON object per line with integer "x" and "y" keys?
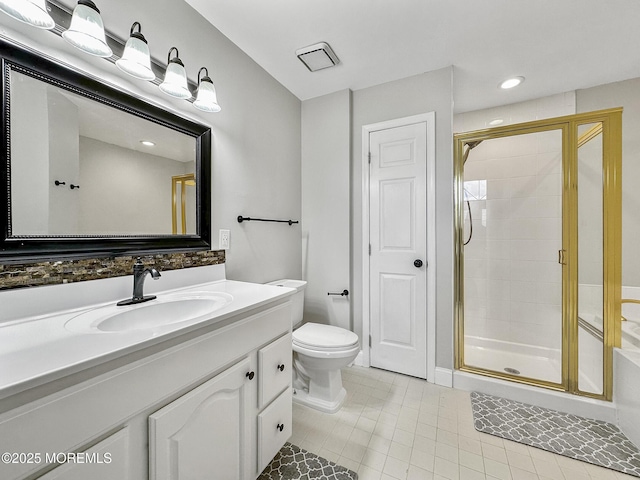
{"x": 80, "y": 167}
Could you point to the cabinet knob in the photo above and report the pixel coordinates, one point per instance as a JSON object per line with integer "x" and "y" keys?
{"x": 281, "y": 367}
{"x": 280, "y": 427}
{"x": 250, "y": 375}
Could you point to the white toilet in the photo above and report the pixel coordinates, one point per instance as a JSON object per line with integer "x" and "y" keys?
{"x": 319, "y": 352}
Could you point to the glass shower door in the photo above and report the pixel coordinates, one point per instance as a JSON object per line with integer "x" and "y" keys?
{"x": 512, "y": 188}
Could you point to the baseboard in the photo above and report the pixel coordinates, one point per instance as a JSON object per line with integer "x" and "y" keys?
{"x": 444, "y": 377}
{"x": 359, "y": 361}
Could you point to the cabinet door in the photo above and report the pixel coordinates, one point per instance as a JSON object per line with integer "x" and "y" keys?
{"x": 106, "y": 460}
{"x": 205, "y": 433}
{"x": 274, "y": 369}
{"x": 274, "y": 428}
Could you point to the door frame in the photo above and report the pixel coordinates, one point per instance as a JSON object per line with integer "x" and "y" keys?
{"x": 429, "y": 119}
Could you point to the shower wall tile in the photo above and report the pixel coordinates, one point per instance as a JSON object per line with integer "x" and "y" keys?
{"x": 476, "y": 170}
{"x": 499, "y": 208}
{"x": 499, "y": 309}
{"x": 524, "y": 250}
{"x": 497, "y": 270}
{"x": 548, "y": 293}
{"x": 524, "y": 270}
{"x": 496, "y": 168}
{"x": 521, "y": 290}
{"x": 549, "y": 272}
{"x": 549, "y": 206}
{"x": 523, "y": 165}
{"x": 524, "y": 186}
{"x": 498, "y": 248}
{"x": 497, "y": 188}
{"x": 549, "y": 163}
{"x": 549, "y": 184}
{"x": 547, "y": 250}
{"x": 498, "y": 229}
{"x": 524, "y": 207}
{"x": 523, "y": 312}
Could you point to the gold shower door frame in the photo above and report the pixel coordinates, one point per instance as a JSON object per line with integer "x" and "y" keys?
{"x": 611, "y": 121}
{"x": 183, "y": 180}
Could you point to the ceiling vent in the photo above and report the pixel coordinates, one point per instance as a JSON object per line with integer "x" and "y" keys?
{"x": 318, "y": 56}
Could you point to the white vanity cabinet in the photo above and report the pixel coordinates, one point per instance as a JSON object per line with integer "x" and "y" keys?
{"x": 216, "y": 404}
{"x": 205, "y": 433}
{"x": 211, "y": 432}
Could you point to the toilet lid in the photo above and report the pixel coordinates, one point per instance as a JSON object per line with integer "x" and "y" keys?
{"x": 316, "y": 335}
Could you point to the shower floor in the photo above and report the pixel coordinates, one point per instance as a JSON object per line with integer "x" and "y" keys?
{"x": 533, "y": 362}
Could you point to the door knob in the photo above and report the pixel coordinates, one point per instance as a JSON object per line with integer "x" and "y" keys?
{"x": 417, "y": 263}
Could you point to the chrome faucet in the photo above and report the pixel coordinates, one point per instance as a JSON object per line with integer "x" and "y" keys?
{"x": 139, "y": 274}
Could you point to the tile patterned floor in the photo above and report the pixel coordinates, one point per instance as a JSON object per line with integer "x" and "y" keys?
{"x": 394, "y": 427}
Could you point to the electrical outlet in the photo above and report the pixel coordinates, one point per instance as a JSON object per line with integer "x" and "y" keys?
{"x": 223, "y": 240}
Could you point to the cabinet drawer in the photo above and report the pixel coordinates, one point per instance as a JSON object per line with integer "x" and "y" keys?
{"x": 274, "y": 428}
{"x": 274, "y": 369}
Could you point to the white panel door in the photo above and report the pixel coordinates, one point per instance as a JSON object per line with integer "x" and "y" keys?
{"x": 398, "y": 238}
{"x": 203, "y": 433}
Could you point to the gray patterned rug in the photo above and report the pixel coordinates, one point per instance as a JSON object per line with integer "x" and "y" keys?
{"x": 591, "y": 441}
{"x": 294, "y": 463}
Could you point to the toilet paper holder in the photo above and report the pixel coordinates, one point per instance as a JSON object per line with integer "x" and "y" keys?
{"x": 344, "y": 293}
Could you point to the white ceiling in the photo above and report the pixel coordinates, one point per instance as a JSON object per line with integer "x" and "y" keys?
{"x": 558, "y": 45}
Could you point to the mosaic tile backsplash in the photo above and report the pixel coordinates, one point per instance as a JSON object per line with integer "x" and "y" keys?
{"x": 68, "y": 271}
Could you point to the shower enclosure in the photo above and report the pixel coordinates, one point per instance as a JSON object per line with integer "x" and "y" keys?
{"x": 538, "y": 240}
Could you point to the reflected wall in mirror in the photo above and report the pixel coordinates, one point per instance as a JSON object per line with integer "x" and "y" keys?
{"x": 90, "y": 169}
{"x": 57, "y": 135}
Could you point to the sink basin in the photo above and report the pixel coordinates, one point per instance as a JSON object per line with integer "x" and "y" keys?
{"x": 164, "y": 310}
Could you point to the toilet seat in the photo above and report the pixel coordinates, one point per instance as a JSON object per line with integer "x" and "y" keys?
{"x": 324, "y": 338}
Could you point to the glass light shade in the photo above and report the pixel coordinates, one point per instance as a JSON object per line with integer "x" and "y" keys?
{"x": 136, "y": 60}
{"x": 206, "y": 99}
{"x": 87, "y": 30}
{"x": 175, "y": 81}
{"x": 33, "y": 12}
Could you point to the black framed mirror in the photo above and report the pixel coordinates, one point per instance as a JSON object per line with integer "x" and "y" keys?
{"x": 87, "y": 170}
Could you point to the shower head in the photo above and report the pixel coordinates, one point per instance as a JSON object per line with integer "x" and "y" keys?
{"x": 470, "y": 146}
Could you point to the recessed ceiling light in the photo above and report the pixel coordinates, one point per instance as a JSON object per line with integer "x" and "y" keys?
{"x": 511, "y": 82}
{"x": 147, "y": 143}
{"x": 495, "y": 122}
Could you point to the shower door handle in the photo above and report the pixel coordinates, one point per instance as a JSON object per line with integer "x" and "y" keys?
{"x": 417, "y": 263}
{"x": 561, "y": 257}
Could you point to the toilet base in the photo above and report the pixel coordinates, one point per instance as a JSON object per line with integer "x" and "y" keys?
{"x": 303, "y": 398}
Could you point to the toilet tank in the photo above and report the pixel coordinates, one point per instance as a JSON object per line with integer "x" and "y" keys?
{"x": 297, "y": 300}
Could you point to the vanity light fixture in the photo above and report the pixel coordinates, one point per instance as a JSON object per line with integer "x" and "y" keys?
{"x": 87, "y": 30}
{"x": 136, "y": 59}
{"x": 206, "y": 98}
{"x": 511, "y": 82}
{"x": 175, "y": 78}
{"x": 147, "y": 143}
{"x": 32, "y": 12}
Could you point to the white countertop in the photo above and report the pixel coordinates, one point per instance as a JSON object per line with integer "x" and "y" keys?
{"x": 38, "y": 348}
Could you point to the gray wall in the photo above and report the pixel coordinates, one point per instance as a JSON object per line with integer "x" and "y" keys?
{"x": 256, "y": 137}
{"x": 326, "y": 137}
{"x": 124, "y": 191}
{"x": 428, "y": 92}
